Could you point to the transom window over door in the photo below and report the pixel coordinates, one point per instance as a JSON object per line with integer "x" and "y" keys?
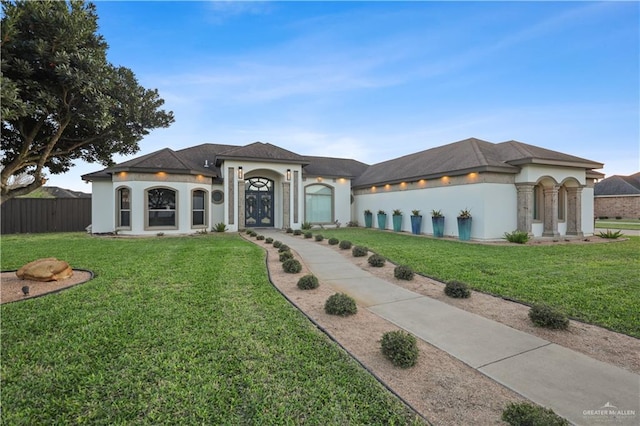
{"x": 318, "y": 204}
{"x": 161, "y": 208}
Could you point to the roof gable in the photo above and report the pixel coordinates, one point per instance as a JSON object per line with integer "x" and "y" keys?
{"x": 517, "y": 153}
{"x": 259, "y": 151}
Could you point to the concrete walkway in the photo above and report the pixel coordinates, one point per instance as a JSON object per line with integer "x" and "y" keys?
{"x": 583, "y": 390}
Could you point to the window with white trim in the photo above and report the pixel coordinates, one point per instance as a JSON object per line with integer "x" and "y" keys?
{"x": 161, "y": 208}
{"x": 318, "y": 203}
{"x": 198, "y": 208}
{"x": 124, "y": 208}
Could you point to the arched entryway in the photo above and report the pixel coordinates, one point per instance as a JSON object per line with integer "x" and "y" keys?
{"x": 258, "y": 202}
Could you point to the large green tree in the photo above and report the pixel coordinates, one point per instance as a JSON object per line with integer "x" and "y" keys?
{"x": 61, "y": 99}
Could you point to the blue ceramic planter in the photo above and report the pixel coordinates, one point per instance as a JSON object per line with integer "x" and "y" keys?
{"x": 397, "y": 223}
{"x": 368, "y": 220}
{"x": 382, "y": 221}
{"x": 416, "y": 225}
{"x": 464, "y": 228}
{"x": 438, "y": 226}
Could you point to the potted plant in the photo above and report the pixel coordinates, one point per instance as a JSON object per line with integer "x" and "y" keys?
{"x": 368, "y": 218}
{"x": 437, "y": 219}
{"x": 397, "y": 220}
{"x": 416, "y": 222}
{"x": 382, "y": 219}
{"x": 464, "y": 225}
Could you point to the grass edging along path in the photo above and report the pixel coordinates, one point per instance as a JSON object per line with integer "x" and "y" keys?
{"x": 598, "y": 283}
{"x": 173, "y": 330}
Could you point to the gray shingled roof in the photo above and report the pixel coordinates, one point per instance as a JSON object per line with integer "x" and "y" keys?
{"x": 618, "y": 185}
{"x": 469, "y": 155}
{"x": 516, "y": 153}
{"x": 165, "y": 160}
{"x": 260, "y": 151}
{"x": 333, "y": 167}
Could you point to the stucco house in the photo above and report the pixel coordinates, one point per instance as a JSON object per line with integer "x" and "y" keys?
{"x": 507, "y": 186}
{"x": 618, "y": 196}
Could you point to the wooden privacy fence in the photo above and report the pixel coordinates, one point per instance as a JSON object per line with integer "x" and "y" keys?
{"x": 36, "y": 215}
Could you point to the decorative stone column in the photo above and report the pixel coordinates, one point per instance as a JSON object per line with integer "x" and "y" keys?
{"x": 286, "y": 204}
{"x": 230, "y": 195}
{"x": 550, "y": 211}
{"x": 241, "y": 201}
{"x": 574, "y": 211}
{"x": 296, "y": 191}
{"x": 525, "y": 206}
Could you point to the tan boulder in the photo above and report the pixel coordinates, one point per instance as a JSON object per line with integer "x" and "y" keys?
{"x": 49, "y": 269}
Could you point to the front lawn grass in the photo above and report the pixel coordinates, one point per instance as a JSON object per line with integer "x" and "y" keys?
{"x": 596, "y": 283}
{"x": 173, "y": 330}
{"x": 632, "y": 224}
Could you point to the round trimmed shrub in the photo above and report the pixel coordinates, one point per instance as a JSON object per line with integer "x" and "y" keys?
{"x": 524, "y": 413}
{"x": 340, "y": 304}
{"x": 403, "y": 272}
{"x": 248, "y": 231}
{"x": 289, "y": 230}
{"x": 345, "y": 244}
{"x": 400, "y": 348}
{"x": 297, "y": 232}
{"x": 308, "y": 234}
{"x": 457, "y": 290}
{"x": 359, "y": 251}
{"x": 333, "y": 241}
{"x": 546, "y": 316}
{"x": 277, "y": 244}
{"x": 253, "y": 234}
{"x": 291, "y": 266}
{"x": 308, "y": 282}
{"x": 285, "y": 255}
{"x": 268, "y": 240}
{"x": 376, "y": 260}
{"x": 260, "y": 237}
{"x": 319, "y": 237}
{"x": 283, "y": 247}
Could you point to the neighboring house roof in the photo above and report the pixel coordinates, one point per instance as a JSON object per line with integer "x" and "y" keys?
{"x": 618, "y": 185}
{"x": 55, "y": 192}
{"x": 469, "y": 155}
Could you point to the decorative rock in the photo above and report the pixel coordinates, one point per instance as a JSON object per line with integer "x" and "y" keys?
{"x": 49, "y": 269}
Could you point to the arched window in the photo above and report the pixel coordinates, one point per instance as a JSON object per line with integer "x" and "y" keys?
{"x": 318, "y": 204}
{"x": 538, "y": 202}
{"x": 198, "y": 208}
{"x": 562, "y": 202}
{"x": 161, "y": 208}
{"x": 123, "y": 214}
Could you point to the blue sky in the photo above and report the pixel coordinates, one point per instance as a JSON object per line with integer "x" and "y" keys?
{"x": 377, "y": 80}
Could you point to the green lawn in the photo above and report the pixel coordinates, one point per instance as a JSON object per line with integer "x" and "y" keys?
{"x": 596, "y": 283}
{"x": 183, "y": 330}
{"x": 617, "y": 224}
